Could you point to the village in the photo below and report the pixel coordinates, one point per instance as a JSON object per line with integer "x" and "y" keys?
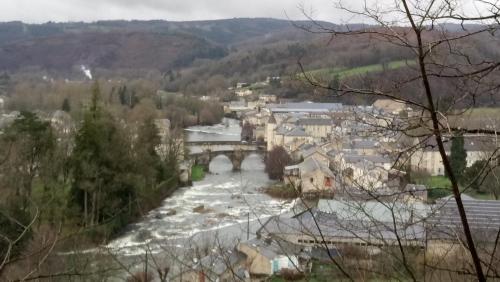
{"x": 262, "y": 141}
{"x": 350, "y": 169}
{"x": 363, "y": 186}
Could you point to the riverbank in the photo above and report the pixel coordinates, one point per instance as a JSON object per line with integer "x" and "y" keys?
{"x": 281, "y": 191}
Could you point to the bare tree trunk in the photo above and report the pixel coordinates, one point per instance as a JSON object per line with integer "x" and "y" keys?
{"x": 85, "y": 207}
{"x": 437, "y": 134}
{"x": 94, "y": 202}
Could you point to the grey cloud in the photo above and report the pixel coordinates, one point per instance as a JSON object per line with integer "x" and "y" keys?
{"x": 91, "y": 10}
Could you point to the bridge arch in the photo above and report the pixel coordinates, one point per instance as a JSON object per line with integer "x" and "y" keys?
{"x": 249, "y": 162}
{"x": 220, "y": 163}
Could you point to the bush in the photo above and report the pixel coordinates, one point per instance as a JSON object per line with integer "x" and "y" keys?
{"x": 291, "y": 274}
{"x": 197, "y": 173}
{"x": 140, "y": 277}
{"x": 12, "y": 220}
{"x": 282, "y": 191}
{"x": 436, "y": 193}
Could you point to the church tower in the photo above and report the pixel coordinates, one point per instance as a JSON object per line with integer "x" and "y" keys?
{"x": 270, "y": 127}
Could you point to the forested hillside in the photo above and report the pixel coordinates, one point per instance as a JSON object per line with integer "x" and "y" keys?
{"x": 207, "y": 57}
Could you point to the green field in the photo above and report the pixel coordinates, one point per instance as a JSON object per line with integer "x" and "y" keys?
{"x": 329, "y": 73}
{"x": 437, "y": 182}
{"x": 197, "y": 173}
{"x": 440, "y": 186}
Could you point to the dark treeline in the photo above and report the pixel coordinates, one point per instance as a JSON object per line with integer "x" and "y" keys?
{"x": 90, "y": 181}
{"x": 129, "y": 100}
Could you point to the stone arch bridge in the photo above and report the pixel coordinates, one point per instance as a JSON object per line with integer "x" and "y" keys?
{"x": 203, "y": 152}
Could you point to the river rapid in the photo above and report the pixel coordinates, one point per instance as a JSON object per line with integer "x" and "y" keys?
{"x": 226, "y": 203}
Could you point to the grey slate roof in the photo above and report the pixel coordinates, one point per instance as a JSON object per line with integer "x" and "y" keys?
{"x": 306, "y": 146}
{"x": 483, "y": 217}
{"x": 270, "y": 249}
{"x": 374, "y": 211}
{"x": 315, "y": 121}
{"x": 472, "y": 143}
{"x": 297, "y": 131}
{"x": 376, "y": 159}
{"x": 333, "y": 227}
{"x": 307, "y": 152}
{"x": 218, "y": 264}
{"x": 369, "y": 221}
{"x": 361, "y": 144}
{"x": 311, "y": 164}
{"x": 281, "y": 130}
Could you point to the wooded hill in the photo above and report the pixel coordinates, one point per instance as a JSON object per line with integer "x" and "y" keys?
{"x": 206, "y": 57}
{"x": 111, "y": 45}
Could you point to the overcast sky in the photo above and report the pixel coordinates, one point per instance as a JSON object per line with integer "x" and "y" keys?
{"x": 39, "y": 11}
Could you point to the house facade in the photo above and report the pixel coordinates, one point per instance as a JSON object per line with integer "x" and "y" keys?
{"x": 428, "y": 158}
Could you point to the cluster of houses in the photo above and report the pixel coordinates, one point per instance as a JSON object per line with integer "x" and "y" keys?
{"x": 336, "y": 146}
{"x": 331, "y": 230}
{"x": 351, "y": 162}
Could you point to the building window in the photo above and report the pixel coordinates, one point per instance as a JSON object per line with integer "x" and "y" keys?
{"x": 328, "y": 182}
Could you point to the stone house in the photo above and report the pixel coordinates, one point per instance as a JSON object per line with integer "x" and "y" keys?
{"x": 362, "y": 147}
{"x": 363, "y": 171}
{"x": 317, "y": 127}
{"x": 427, "y": 157}
{"x": 286, "y": 135}
{"x": 316, "y": 177}
{"x": 243, "y": 92}
{"x": 307, "y": 150}
{"x": 267, "y": 257}
{"x": 225, "y": 267}
{"x": 268, "y": 98}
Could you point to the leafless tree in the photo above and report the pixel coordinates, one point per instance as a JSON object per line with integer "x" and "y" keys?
{"x": 424, "y": 28}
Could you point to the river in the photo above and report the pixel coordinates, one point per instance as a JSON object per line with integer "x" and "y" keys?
{"x": 229, "y": 200}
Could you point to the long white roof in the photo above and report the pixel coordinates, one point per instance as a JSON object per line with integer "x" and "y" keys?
{"x": 305, "y": 107}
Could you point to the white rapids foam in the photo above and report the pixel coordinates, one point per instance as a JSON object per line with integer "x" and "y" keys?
{"x": 228, "y": 199}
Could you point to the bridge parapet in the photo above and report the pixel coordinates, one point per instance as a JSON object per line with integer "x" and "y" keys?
{"x": 204, "y": 151}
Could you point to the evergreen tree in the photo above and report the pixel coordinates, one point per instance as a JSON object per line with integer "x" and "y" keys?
{"x": 147, "y": 161}
{"x": 458, "y": 156}
{"x": 31, "y": 143}
{"x": 104, "y": 182}
{"x": 122, "y": 94}
{"x": 26, "y": 149}
{"x": 66, "y": 106}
